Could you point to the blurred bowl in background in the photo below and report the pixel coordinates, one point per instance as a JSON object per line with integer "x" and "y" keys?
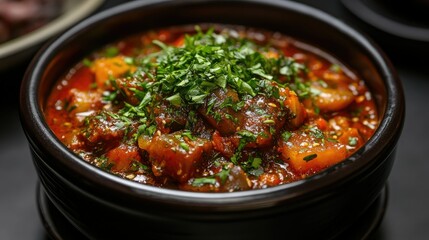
{"x": 400, "y": 27}
{"x": 21, "y": 48}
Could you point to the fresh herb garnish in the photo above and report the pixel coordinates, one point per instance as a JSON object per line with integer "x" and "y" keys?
{"x": 222, "y": 175}
{"x": 335, "y": 68}
{"x": 111, "y": 52}
{"x": 198, "y": 182}
{"x": 286, "y": 135}
{"x": 245, "y": 137}
{"x": 208, "y": 61}
{"x": 86, "y": 62}
{"x": 316, "y": 132}
{"x": 310, "y": 157}
{"x": 353, "y": 141}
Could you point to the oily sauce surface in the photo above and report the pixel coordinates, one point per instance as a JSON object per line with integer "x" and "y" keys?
{"x": 223, "y": 109}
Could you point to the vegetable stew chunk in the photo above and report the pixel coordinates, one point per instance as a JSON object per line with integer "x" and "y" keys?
{"x": 308, "y": 154}
{"x": 128, "y": 88}
{"x": 311, "y": 150}
{"x": 330, "y": 99}
{"x": 110, "y": 68}
{"x": 122, "y": 157}
{"x": 175, "y": 155}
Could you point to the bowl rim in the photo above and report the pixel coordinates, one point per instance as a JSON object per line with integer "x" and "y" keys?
{"x": 38, "y": 132}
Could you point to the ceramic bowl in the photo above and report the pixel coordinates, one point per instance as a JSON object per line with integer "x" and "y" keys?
{"x": 103, "y": 206}
{"x": 20, "y": 50}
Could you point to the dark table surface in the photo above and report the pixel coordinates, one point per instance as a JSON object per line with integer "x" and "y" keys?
{"x": 407, "y": 215}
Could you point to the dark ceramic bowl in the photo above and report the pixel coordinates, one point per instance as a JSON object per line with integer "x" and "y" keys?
{"x": 104, "y": 206}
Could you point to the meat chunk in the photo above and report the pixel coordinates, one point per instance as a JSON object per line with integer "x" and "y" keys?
{"x": 128, "y": 87}
{"x": 222, "y": 110}
{"x": 263, "y": 117}
{"x": 102, "y": 132}
{"x": 170, "y": 118}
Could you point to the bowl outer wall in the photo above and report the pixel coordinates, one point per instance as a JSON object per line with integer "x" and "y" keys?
{"x": 98, "y": 184}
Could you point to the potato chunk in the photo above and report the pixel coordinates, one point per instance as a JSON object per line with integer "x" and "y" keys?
{"x": 308, "y": 154}
{"x": 83, "y": 101}
{"x": 106, "y": 68}
{"x": 331, "y": 99}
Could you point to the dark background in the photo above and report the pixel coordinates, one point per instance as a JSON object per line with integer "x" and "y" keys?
{"x": 407, "y": 215}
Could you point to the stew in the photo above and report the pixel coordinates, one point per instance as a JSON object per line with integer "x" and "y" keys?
{"x": 223, "y": 109}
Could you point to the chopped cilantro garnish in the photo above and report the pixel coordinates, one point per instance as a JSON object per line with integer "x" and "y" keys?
{"x": 335, "y": 68}
{"x": 353, "y": 141}
{"x": 205, "y": 63}
{"x": 111, "y": 52}
{"x": 245, "y": 137}
{"x": 316, "y": 132}
{"x": 223, "y": 175}
{"x": 310, "y": 157}
{"x": 198, "y": 182}
{"x": 188, "y": 134}
{"x": 129, "y": 60}
{"x": 256, "y": 162}
{"x": 184, "y": 146}
{"x": 86, "y": 62}
{"x": 286, "y": 135}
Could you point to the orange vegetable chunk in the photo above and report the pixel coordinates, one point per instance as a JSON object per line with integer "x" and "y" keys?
{"x": 173, "y": 155}
{"x": 122, "y": 157}
{"x": 306, "y": 154}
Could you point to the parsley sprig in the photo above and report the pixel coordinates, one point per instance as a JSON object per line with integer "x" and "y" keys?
{"x": 207, "y": 61}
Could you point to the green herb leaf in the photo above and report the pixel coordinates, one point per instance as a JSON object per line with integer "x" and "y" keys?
{"x": 310, "y": 157}
{"x": 316, "y": 132}
{"x": 353, "y": 141}
{"x": 286, "y": 135}
{"x": 175, "y": 100}
{"x": 198, "y": 182}
{"x": 185, "y": 146}
{"x": 86, "y": 62}
{"x": 111, "y": 52}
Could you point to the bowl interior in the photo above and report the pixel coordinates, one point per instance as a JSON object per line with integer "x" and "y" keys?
{"x": 300, "y": 22}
